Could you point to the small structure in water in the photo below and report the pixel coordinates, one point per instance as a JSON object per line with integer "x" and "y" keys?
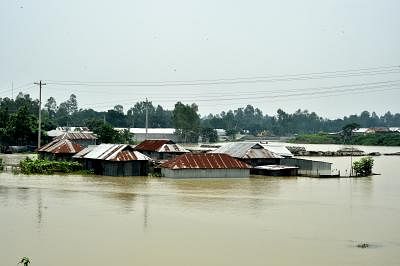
{"x": 252, "y": 153}
{"x": 204, "y": 165}
{"x": 160, "y": 149}
{"x": 309, "y": 167}
{"x": 60, "y": 150}
{"x": 275, "y": 170}
{"x": 114, "y": 160}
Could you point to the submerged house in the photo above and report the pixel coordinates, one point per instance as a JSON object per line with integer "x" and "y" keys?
{"x": 204, "y": 165}
{"x": 61, "y": 150}
{"x": 152, "y": 133}
{"x": 275, "y": 170}
{"x": 278, "y": 149}
{"x": 82, "y": 138}
{"x": 252, "y": 153}
{"x": 114, "y": 160}
{"x": 160, "y": 149}
{"x": 309, "y": 167}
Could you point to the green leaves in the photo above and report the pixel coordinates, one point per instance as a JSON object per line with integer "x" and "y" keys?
{"x": 29, "y": 166}
{"x": 363, "y": 167}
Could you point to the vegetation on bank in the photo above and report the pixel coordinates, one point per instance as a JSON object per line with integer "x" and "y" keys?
{"x": 29, "y": 166}
{"x": 363, "y": 167}
{"x": 19, "y": 117}
{"x": 377, "y": 139}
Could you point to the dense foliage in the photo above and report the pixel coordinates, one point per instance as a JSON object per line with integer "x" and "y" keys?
{"x": 18, "y": 120}
{"x": 29, "y": 166}
{"x": 363, "y": 167}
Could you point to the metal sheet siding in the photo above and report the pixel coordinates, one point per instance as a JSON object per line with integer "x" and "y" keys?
{"x": 205, "y": 173}
{"x": 309, "y": 167}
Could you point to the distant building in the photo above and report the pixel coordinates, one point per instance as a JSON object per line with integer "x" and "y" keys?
{"x": 61, "y": 150}
{"x": 205, "y": 165}
{"x": 61, "y": 130}
{"x": 372, "y": 130}
{"x": 160, "y": 149}
{"x": 82, "y": 138}
{"x": 114, "y": 160}
{"x": 252, "y": 153}
{"x": 152, "y": 133}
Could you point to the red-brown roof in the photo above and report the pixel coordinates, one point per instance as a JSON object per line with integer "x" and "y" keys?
{"x": 205, "y": 161}
{"x": 63, "y": 146}
{"x": 152, "y": 144}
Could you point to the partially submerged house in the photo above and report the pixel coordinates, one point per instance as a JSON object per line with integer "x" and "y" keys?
{"x": 61, "y": 150}
{"x": 114, "y": 160}
{"x": 82, "y": 138}
{"x": 275, "y": 170}
{"x": 309, "y": 167}
{"x": 252, "y": 153}
{"x": 160, "y": 149}
{"x": 278, "y": 149}
{"x": 204, "y": 165}
{"x": 152, "y": 133}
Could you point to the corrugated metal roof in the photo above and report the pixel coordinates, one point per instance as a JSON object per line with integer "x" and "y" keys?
{"x": 77, "y": 135}
{"x": 204, "y": 161}
{"x": 160, "y": 145}
{"x": 84, "y": 151}
{"x": 246, "y": 150}
{"x": 112, "y": 152}
{"x": 149, "y": 130}
{"x": 61, "y": 146}
{"x": 278, "y": 149}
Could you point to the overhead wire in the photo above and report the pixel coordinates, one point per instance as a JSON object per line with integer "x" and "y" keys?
{"x": 378, "y": 70}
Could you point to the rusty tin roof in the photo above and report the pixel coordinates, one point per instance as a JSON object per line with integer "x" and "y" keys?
{"x": 204, "y": 161}
{"x": 112, "y": 152}
{"x": 63, "y": 146}
{"x": 160, "y": 145}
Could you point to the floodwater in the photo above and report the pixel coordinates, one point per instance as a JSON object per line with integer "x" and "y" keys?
{"x": 81, "y": 220}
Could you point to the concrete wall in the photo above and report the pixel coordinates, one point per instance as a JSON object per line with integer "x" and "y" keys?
{"x": 205, "y": 173}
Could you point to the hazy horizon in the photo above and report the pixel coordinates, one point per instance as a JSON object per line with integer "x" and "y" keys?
{"x": 93, "y": 42}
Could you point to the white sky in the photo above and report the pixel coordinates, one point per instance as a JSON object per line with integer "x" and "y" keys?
{"x": 125, "y": 40}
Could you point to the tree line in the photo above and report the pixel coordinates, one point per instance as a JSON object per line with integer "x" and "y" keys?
{"x": 18, "y": 120}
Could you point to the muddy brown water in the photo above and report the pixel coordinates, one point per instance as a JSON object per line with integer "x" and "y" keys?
{"x": 91, "y": 220}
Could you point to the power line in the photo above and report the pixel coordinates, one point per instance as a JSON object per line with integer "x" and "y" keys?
{"x": 395, "y": 68}
{"x": 318, "y": 91}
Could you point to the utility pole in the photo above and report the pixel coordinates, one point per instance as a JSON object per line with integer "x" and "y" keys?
{"x": 12, "y": 89}
{"x": 40, "y": 83}
{"x": 147, "y": 118}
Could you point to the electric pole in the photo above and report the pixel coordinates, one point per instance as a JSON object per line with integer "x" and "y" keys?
{"x": 147, "y": 118}
{"x": 40, "y": 83}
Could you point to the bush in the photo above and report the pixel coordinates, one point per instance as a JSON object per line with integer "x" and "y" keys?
{"x": 29, "y": 166}
{"x": 363, "y": 167}
{"x": 1, "y": 164}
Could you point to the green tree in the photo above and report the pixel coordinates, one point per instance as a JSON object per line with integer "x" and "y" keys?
{"x": 209, "y": 134}
{"x": 187, "y": 122}
{"x": 363, "y": 167}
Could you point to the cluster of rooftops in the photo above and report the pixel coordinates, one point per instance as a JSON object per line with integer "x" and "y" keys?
{"x": 163, "y": 156}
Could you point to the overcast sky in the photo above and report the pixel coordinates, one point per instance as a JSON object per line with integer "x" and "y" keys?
{"x": 151, "y": 41}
